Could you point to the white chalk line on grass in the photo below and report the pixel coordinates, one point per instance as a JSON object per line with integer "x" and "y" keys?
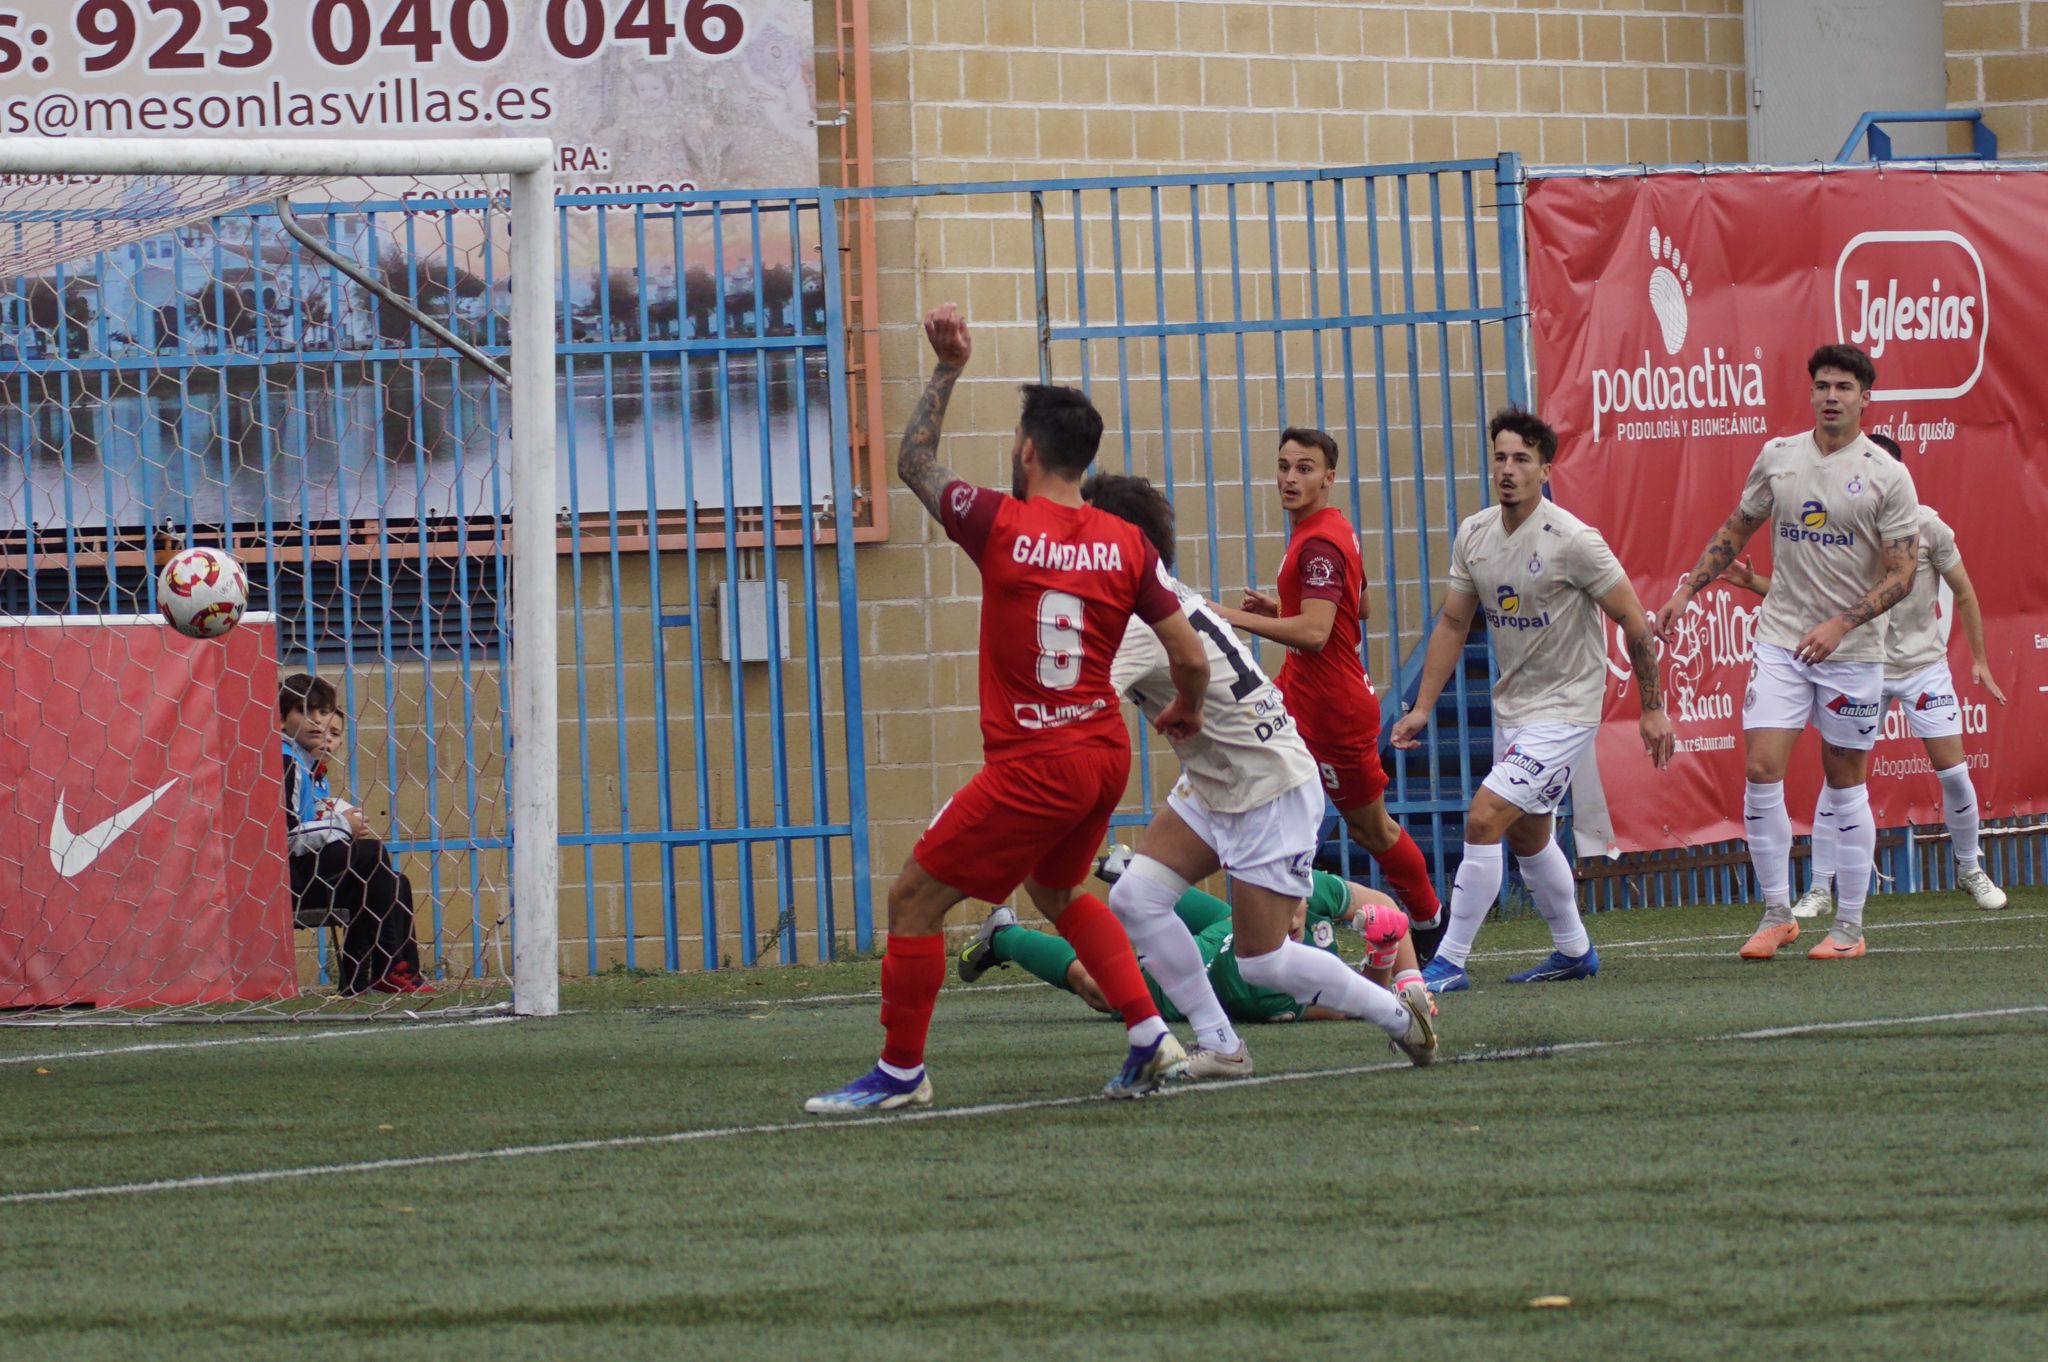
{"x": 816, "y": 1124}
{"x": 153, "y": 1047}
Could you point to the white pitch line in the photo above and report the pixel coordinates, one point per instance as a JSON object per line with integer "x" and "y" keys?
{"x": 1888, "y": 950}
{"x": 63, "y": 1056}
{"x": 679, "y": 1137}
{"x": 1651, "y": 943}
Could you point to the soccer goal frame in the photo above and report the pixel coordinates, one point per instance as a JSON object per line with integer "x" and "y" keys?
{"x": 528, "y": 165}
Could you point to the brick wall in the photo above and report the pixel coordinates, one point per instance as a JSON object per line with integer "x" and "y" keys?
{"x": 997, "y": 89}
{"x": 1998, "y": 61}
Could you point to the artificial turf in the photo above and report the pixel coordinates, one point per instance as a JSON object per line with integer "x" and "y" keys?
{"x": 1864, "y": 1190}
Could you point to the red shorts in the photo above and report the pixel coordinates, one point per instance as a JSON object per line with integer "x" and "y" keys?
{"x": 1039, "y": 818}
{"x": 1349, "y": 761}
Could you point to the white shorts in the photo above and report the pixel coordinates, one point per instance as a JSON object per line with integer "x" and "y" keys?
{"x": 1844, "y": 700}
{"x": 1929, "y": 700}
{"x": 1532, "y": 764}
{"x": 1272, "y": 846}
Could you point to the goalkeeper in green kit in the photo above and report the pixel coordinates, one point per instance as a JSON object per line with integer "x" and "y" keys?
{"x": 1334, "y": 908}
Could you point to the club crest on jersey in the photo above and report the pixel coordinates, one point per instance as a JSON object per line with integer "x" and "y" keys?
{"x": 963, "y": 497}
{"x": 1535, "y": 565}
{"x": 1086, "y": 556}
{"x": 1322, "y": 934}
{"x": 1320, "y": 572}
{"x": 1854, "y": 487}
{"x": 1849, "y": 709}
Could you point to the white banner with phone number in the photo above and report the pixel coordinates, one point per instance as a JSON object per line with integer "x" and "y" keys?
{"x": 637, "y": 95}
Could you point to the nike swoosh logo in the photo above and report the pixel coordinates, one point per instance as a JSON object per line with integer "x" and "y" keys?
{"x": 73, "y": 853}
{"x": 1754, "y": 817}
{"x": 1848, "y": 827}
{"x": 1964, "y": 809}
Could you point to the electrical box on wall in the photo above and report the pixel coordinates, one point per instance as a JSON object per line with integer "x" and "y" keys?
{"x": 752, "y": 622}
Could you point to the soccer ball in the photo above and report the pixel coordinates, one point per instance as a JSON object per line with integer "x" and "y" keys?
{"x": 203, "y": 592}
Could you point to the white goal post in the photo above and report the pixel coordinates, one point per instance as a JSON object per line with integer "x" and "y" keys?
{"x": 530, "y": 701}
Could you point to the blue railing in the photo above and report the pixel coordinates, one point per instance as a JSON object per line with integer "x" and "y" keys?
{"x": 218, "y": 384}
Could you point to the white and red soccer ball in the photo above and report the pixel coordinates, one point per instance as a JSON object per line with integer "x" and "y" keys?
{"x": 203, "y": 592}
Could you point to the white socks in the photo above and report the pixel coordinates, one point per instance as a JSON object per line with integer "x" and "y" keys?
{"x": 1472, "y": 896}
{"x": 1824, "y": 840}
{"x": 1318, "y": 978}
{"x": 1556, "y": 891}
{"x": 1143, "y": 900}
{"x": 1959, "y": 809}
{"x": 1856, "y": 851}
{"x": 1769, "y": 829}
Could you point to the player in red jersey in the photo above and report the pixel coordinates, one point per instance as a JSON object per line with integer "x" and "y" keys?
{"x": 1316, "y": 616}
{"x": 1060, "y": 580}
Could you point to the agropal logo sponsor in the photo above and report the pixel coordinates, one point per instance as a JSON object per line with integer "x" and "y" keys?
{"x": 1699, "y": 392}
{"x": 1919, "y": 304}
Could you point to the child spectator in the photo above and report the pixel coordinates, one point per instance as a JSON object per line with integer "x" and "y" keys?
{"x": 337, "y": 868}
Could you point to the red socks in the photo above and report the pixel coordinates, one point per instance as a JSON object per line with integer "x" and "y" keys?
{"x": 913, "y": 967}
{"x": 1407, "y": 871}
{"x": 1105, "y": 952}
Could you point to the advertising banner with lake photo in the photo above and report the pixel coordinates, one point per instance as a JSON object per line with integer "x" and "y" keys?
{"x": 198, "y": 375}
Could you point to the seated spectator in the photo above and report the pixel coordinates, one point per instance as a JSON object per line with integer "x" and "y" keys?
{"x": 338, "y": 869}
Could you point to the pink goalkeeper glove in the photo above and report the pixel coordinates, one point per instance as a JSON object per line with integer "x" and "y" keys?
{"x": 1382, "y": 927}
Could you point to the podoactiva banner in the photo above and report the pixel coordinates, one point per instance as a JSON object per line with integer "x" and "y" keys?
{"x": 1673, "y": 318}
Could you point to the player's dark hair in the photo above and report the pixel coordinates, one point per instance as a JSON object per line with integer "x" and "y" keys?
{"x": 1063, "y": 426}
{"x": 1310, "y": 438}
{"x": 1534, "y": 433}
{"x": 1887, "y": 444}
{"x": 302, "y": 693}
{"x": 1138, "y": 501}
{"x": 1848, "y": 359}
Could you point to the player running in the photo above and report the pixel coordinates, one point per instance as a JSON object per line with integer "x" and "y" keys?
{"x": 1332, "y": 904}
{"x": 1316, "y": 616}
{"x": 1060, "y": 580}
{"x": 1544, "y": 577}
{"x": 1247, "y": 802}
{"x": 1917, "y": 678}
{"x": 1848, "y": 537}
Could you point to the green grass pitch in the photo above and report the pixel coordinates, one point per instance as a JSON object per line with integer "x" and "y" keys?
{"x": 1708, "y": 1158}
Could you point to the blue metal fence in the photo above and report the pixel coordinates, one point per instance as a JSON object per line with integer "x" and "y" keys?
{"x": 1383, "y": 304}
{"x": 217, "y": 384}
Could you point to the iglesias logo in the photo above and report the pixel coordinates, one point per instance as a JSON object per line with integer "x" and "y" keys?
{"x": 1702, "y": 391}
{"x": 1920, "y": 305}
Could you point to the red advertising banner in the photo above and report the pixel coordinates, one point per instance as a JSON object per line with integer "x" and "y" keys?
{"x": 141, "y": 817}
{"x": 1673, "y": 318}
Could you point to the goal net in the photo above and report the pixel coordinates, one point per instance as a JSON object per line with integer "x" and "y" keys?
{"x": 335, "y": 362}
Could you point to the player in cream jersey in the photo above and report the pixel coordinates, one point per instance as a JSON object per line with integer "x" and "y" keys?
{"x": 1544, "y": 579}
{"x": 1249, "y": 801}
{"x": 1918, "y": 680}
{"x": 1845, "y": 528}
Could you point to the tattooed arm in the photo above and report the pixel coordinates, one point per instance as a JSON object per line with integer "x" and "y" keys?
{"x": 1621, "y": 606}
{"x": 1900, "y": 558}
{"x": 1721, "y": 551}
{"x": 917, "y": 461}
